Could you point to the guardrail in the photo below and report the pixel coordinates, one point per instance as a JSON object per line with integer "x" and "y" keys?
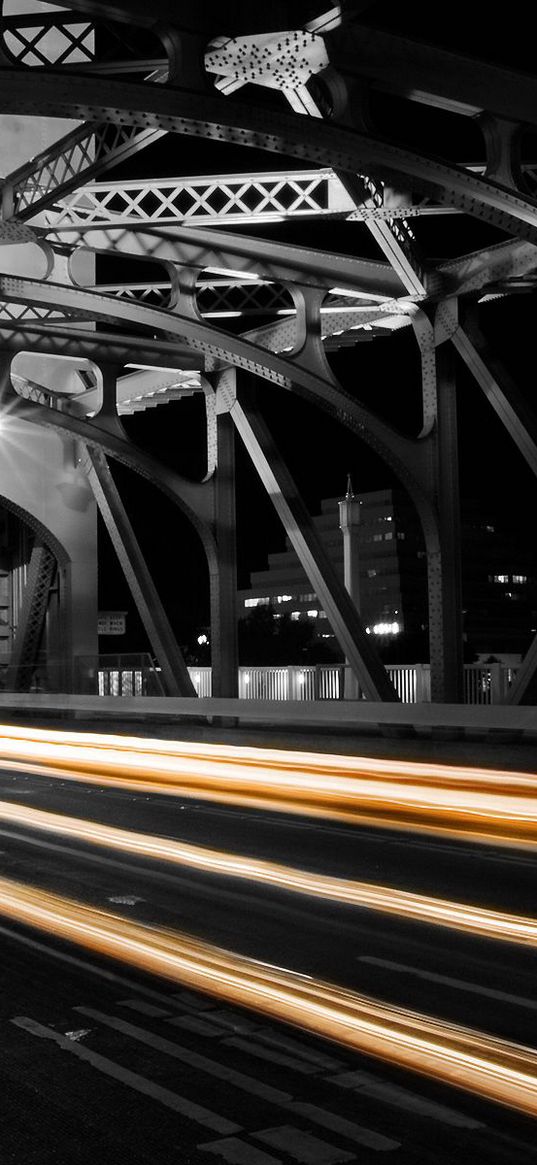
{"x": 483, "y": 683}
{"x": 137, "y": 675}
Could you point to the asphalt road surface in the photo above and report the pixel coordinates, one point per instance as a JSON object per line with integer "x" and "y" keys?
{"x": 100, "y": 1063}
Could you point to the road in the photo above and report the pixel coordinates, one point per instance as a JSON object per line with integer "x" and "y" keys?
{"x": 100, "y": 1060}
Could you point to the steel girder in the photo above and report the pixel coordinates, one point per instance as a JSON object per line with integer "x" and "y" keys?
{"x": 207, "y": 512}
{"x": 29, "y": 633}
{"x": 505, "y": 266}
{"x": 206, "y": 247}
{"x": 173, "y": 110}
{"x": 439, "y": 77}
{"x": 119, "y": 349}
{"x": 340, "y": 609}
{"x": 409, "y": 458}
{"x": 416, "y": 69}
{"x": 82, "y": 154}
{"x": 175, "y": 674}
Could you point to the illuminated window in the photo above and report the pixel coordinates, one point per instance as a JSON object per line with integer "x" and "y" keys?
{"x": 371, "y": 574}
{"x": 283, "y": 598}
{"x": 388, "y": 537}
{"x": 386, "y": 629}
{"x": 323, "y": 615}
{"x": 377, "y": 537}
{"x": 520, "y": 578}
{"x": 313, "y": 613}
{"x": 501, "y": 578}
{"x": 256, "y": 602}
{"x": 295, "y": 616}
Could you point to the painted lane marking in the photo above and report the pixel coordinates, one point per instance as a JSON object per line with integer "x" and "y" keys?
{"x": 90, "y": 968}
{"x": 274, "y": 1039}
{"x": 192, "y": 1001}
{"x": 199, "y": 1026}
{"x": 188, "y": 1108}
{"x": 403, "y": 1098}
{"x": 238, "y": 1152}
{"x": 271, "y": 1055}
{"x": 234, "y": 1021}
{"x": 303, "y": 1147}
{"x": 447, "y": 981}
{"x": 144, "y": 1008}
{"x": 339, "y": 1124}
{"x": 193, "y": 1059}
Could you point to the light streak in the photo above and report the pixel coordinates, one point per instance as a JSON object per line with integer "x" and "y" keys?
{"x": 494, "y": 1068}
{"x": 480, "y": 805}
{"x": 385, "y": 899}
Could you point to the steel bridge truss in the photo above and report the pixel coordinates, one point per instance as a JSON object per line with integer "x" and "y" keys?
{"x": 131, "y": 75}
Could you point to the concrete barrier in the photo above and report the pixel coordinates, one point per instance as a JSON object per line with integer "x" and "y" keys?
{"x": 472, "y": 720}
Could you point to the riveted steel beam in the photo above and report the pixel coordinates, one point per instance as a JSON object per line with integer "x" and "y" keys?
{"x": 57, "y": 339}
{"x": 501, "y": 265}
{"x": 175, "y": 674}
{"x": 444, "y": 575}
{"x": 408, "y": 457}
{"x": 29, "y": 633}
{"x": 186, "y": 112}
{"x": 395, "y": 238}
{"x": 423, "y": 72}
{"x": 208, "y": 247}
{"x": 84, "y": 153}
{"x": 499, "y": 389}
{"x": 224, "y": 615}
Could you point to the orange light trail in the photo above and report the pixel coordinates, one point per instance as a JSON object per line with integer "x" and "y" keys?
{"x": 480, "y": 805}
{"x": 385, "y": 899}
{"x": 494, "y": 1068}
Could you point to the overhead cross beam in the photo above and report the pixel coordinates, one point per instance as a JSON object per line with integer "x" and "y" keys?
{"x": 187, "y": 112}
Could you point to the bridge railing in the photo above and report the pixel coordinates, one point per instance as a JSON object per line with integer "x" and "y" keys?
{"x": 483, "y": 683}
{"x": 138, "y": 675}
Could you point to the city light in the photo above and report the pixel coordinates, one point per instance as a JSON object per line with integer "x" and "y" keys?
{"x": 386, "y": 628}
{"x": 482, "y": 805}
{"x": 461, "y": 916}
{"x": 494, "y": 1068}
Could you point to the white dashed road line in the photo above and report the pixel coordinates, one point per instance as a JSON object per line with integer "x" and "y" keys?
{"x": 347, "y": 1128}
{"x": 187, "y": 1108}
{"x": 399, "y": 1097}
{"x": 447, "y": 981}
{"x": 193, "y": 1059}
{"x": 238, "y": 1152}
{"x": 303, "y": 1147}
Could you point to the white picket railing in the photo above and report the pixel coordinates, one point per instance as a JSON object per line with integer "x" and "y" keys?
{"x": 483, "y": 683}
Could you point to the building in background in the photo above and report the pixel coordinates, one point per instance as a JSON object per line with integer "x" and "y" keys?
{"x": 499, "y": 580}
{"x": 393, "y": 596}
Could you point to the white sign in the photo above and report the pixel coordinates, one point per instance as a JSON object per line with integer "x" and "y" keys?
{"x": 111, "y": 622}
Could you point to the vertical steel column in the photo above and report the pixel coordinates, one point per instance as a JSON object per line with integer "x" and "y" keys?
{"x": 349, "y": 521}
{"x": 29, "y": 633}
{"x": 445, "y": 584}
{"x": 224, "y": 640}
{"x": 175, "y": 674}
